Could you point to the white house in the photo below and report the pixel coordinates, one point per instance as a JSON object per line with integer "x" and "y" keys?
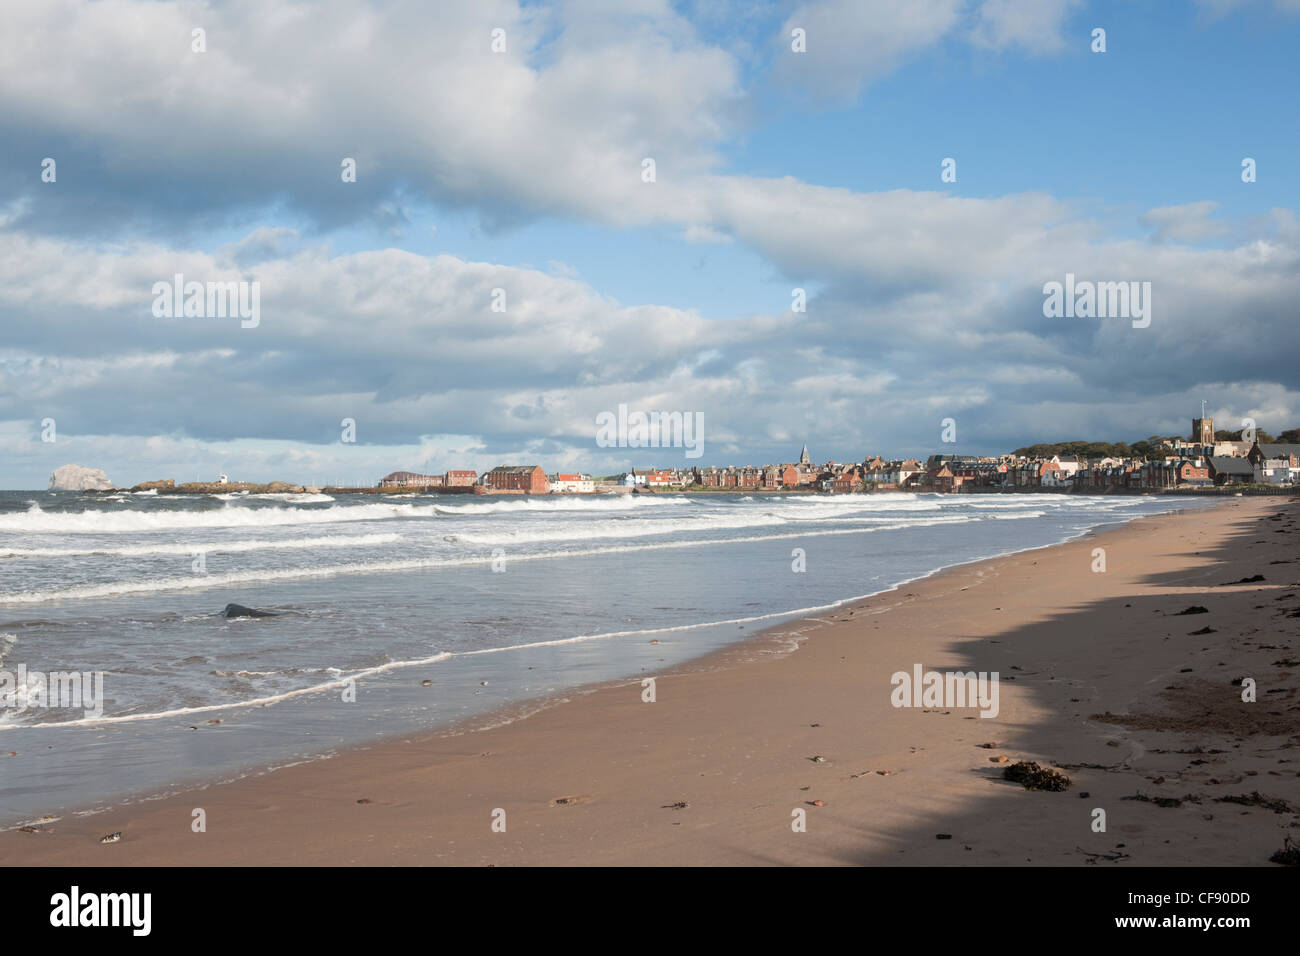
{"x": 572, "y": 484}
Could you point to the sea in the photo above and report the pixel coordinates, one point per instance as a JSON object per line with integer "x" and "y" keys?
{"x": 395, "y": 615}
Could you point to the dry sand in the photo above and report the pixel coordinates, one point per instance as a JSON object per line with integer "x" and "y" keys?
{"x": 711, "y": 771}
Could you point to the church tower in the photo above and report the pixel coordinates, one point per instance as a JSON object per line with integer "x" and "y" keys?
{"x": 1203, "y": 431}
{"x": 804, "y": 457}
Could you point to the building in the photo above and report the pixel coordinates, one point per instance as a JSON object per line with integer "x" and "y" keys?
{"x": 460, "y": 479}
{"x": 1277, "y": 463}
{"x": 662, "y": 479}
{"x": 1231, "y": 471}
{"x": 573, "y": 484}
{"x": 1232, "y": 449}
{"x": 1203, "y": 432}
{"x": 523, "y": 479}
{"x": 845, "y": 482}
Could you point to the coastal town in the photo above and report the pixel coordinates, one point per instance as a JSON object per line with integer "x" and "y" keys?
{"x": 1203, "y": 461}
{"x": 1208, "y": 461}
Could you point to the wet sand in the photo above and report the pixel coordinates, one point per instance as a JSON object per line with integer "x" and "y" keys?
{"x": 1100, "y": 677}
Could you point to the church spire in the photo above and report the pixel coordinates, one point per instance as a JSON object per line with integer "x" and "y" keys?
{"x": 804, "y": 457}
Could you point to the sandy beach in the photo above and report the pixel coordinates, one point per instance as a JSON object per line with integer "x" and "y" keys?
{"x": 1101, "y": 676}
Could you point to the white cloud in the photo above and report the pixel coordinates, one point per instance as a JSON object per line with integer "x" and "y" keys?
{"x": 1035, "y": 26}
{"x": 1186, "y": 223}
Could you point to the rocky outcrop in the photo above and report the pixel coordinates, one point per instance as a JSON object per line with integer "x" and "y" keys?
{"x": 280, "y": 487}
{"x": 78, "y": 478}
{"x": 163, "y": 484}
{"x": 233, "y": 487}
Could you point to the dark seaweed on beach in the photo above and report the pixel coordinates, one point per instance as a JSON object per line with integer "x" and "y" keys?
{"x": 1034, "y": 777}
{"x": 1167, "y": 802}
{"x": 1256, "y": 799}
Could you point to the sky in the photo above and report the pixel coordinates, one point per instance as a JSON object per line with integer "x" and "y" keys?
{"x": 503, "y": 146}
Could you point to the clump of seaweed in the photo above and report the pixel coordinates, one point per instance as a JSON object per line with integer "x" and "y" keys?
{"x": 1035, "y": 777}
{"x": 1257, "y": 799}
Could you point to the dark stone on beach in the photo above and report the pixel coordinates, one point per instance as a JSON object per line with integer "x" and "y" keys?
{"x": 238, "y": 610}
{"x": 1194, "y": 609}
{"x": 112, "y": 837}
{"x": 1204, "y": 630}
{"x": 943, "y": 836}
{"x": 1289, "y": 855}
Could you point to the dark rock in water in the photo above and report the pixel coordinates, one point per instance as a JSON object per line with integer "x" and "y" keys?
{"x": 1194, "y": 609}
{"x": 238, "y": 610}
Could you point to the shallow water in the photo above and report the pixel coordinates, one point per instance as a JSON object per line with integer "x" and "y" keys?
{"x": 493, "y": 601}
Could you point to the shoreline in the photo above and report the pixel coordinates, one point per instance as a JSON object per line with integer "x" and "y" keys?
{"x": 565, "y": 730}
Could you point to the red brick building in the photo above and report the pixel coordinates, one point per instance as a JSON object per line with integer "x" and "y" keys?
{"x": 409, "y": 479}
{"x": 529, "y": 479}
{"x": 460, "y": 479}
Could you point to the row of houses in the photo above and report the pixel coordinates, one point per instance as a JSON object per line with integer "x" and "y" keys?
{"x": 1267, "y": 463}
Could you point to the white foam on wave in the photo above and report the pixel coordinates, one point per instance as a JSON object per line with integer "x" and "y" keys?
{"x": 702, "y": 522}
{"x": 37, "y": 521}
{"x": 228, "y": 547}
{"x": 196, "y": 582}
{"x": 562, "y": 503}
{"x": 300, "y": 498}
